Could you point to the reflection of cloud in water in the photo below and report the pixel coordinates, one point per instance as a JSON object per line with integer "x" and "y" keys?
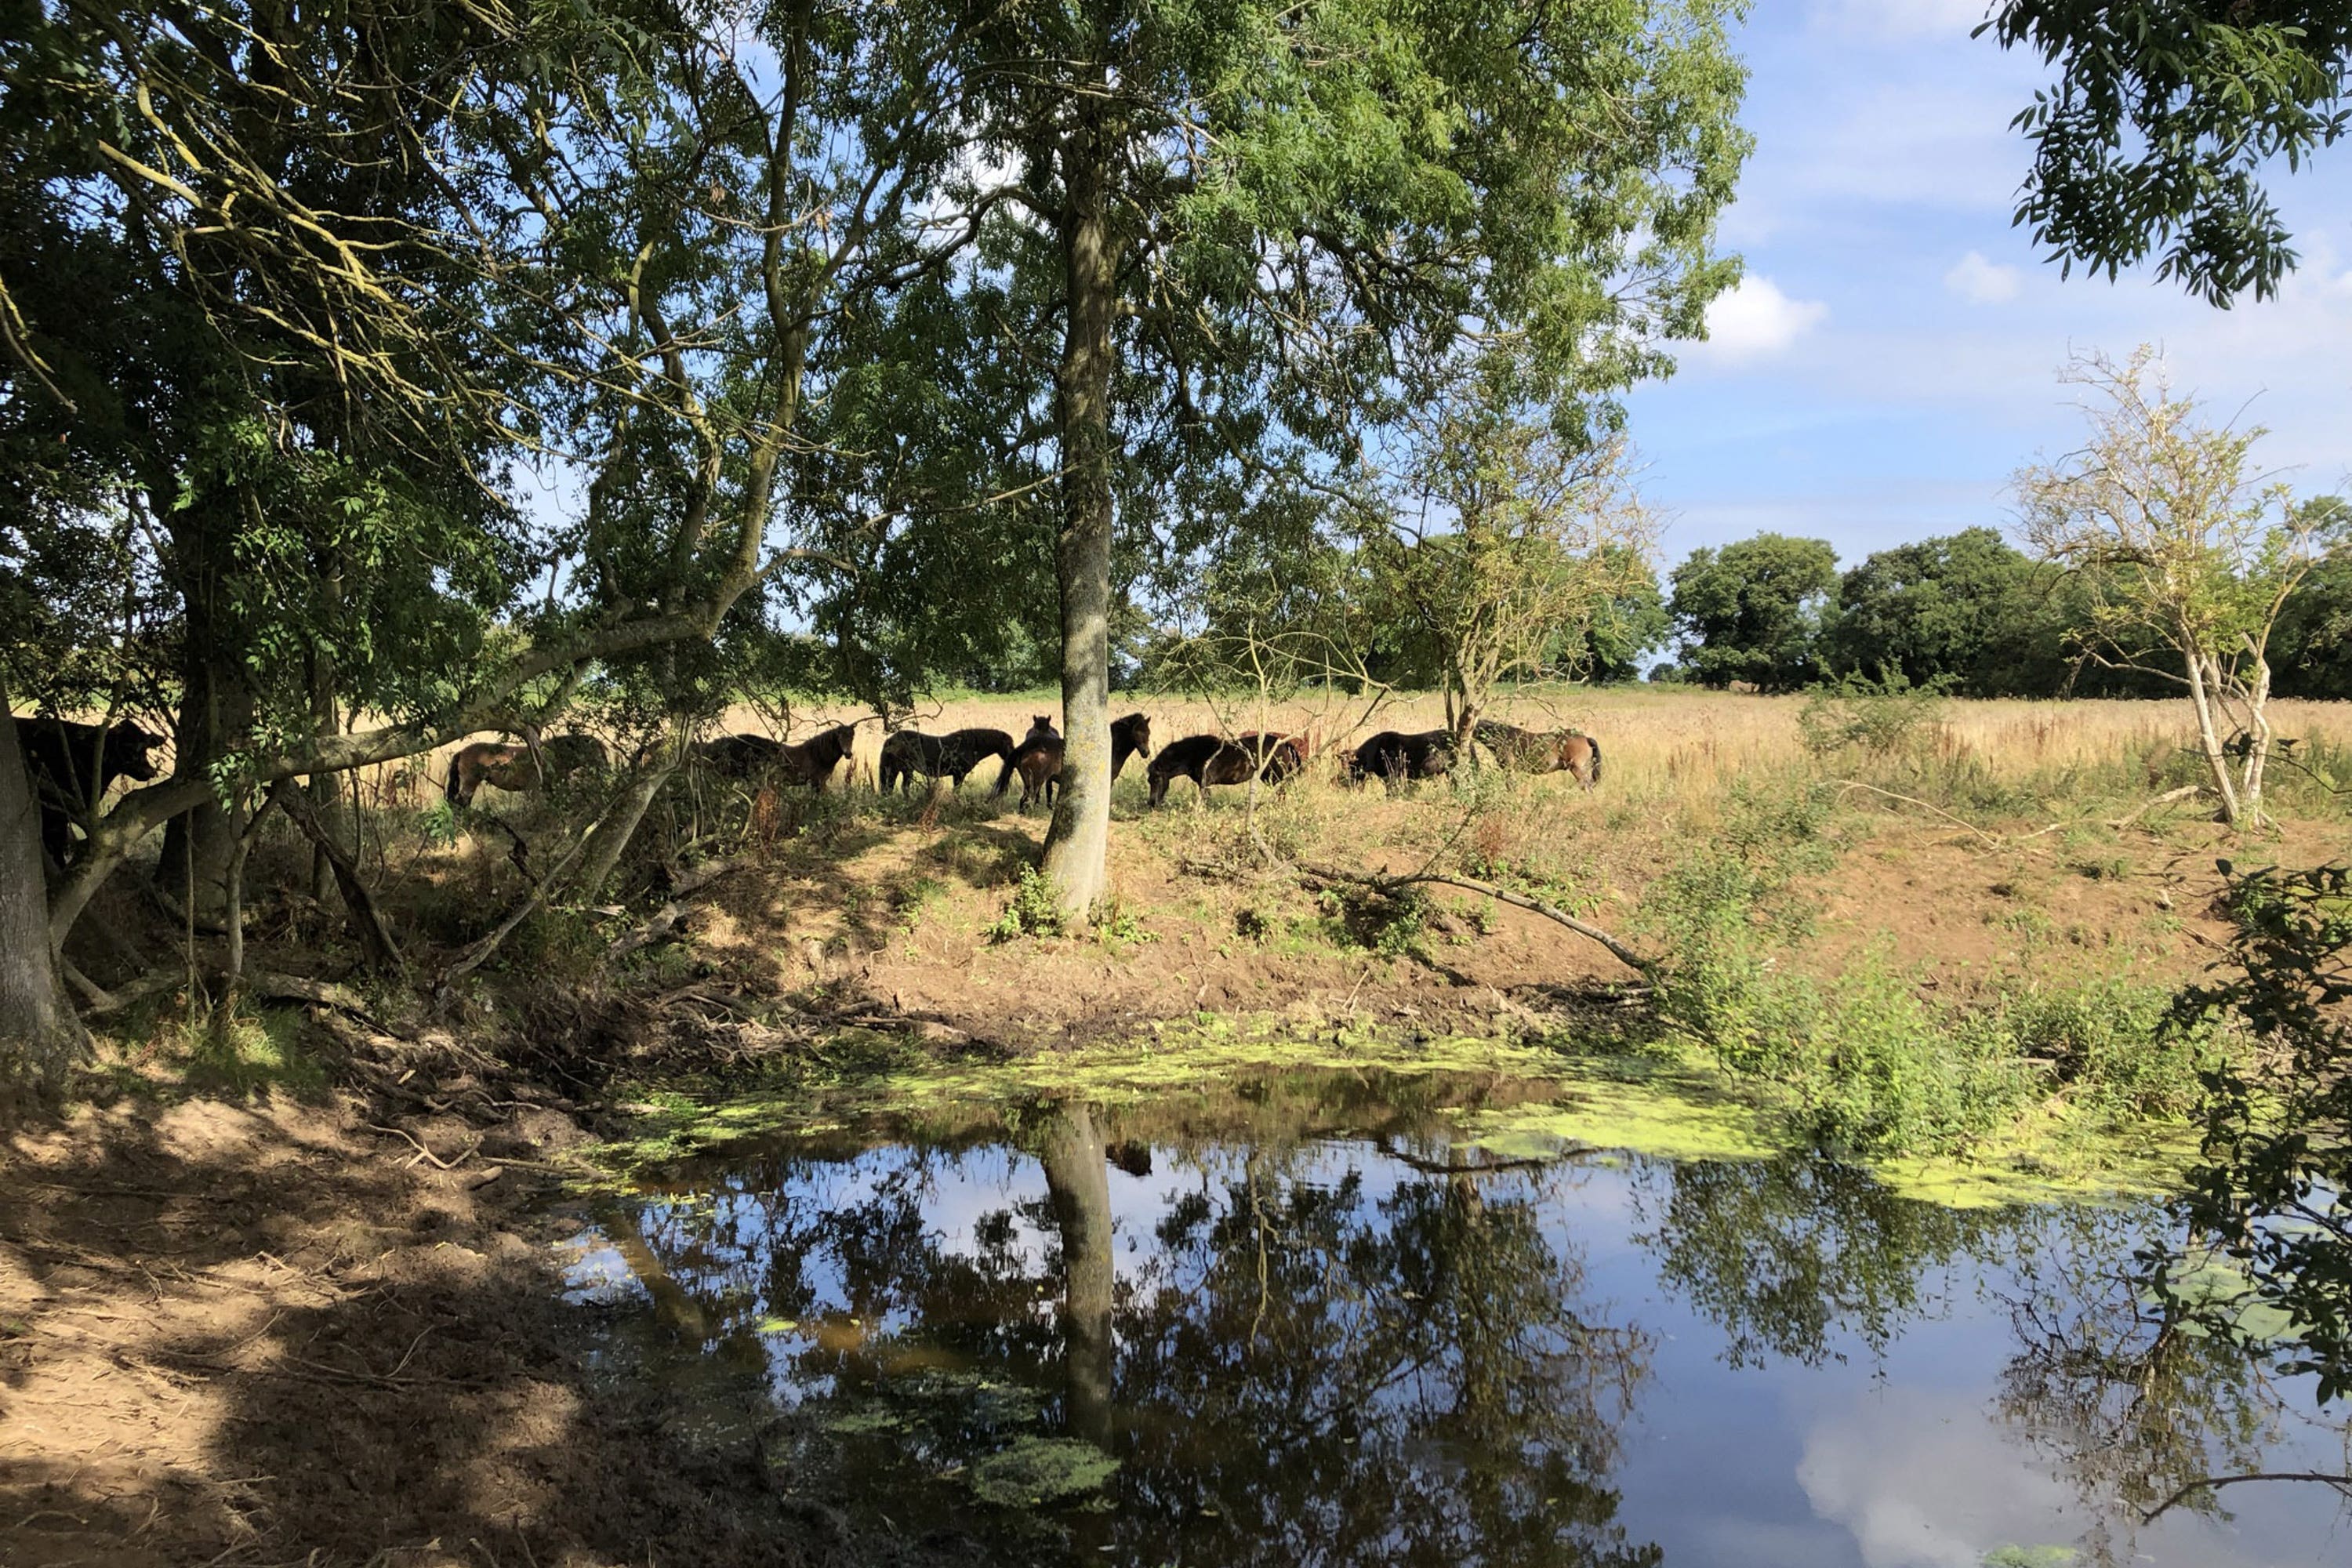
{"x": 1922, "y": 1479}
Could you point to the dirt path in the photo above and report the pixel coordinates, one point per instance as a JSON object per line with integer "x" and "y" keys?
{"x": 249, "y": 1335}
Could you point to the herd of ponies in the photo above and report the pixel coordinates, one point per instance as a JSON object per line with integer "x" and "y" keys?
{"x": 1035, "y": 759}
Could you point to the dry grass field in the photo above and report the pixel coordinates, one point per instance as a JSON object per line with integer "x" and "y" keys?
{"x": 1659, "y": 742}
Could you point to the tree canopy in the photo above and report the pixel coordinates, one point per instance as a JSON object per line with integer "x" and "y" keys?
{"x": 1753, "y": 610}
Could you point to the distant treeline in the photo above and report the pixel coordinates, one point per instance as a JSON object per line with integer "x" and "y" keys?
{"x": 1968, "y": 613}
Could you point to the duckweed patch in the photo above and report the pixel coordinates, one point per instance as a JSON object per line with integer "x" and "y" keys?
{"x": 1039, "y": 1470}
{"x": 1505, "y": 1098}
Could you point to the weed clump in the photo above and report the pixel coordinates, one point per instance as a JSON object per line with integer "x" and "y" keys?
{"x": 1871, "y": 1064}
{"x": 1033, "y": 910}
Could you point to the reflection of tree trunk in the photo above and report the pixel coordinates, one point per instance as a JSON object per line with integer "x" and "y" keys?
{"x": 1080, "y": 1187}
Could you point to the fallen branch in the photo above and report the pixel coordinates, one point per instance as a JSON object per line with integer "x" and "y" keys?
{"x": 667, "y": 919}
{"x": 1910, "y": 800}
{"x": 1557, "y": 916}
{"x": 2214, "y": 1483}
{"x": 149, "y": 985}
{"x": 2167, "y": 798}
{"x": 377, "y": 947}
{"x": 277, "y": 987}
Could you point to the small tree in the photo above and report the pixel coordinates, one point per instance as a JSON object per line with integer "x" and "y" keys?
{"x": 2185, "y": 558}
{"x": 1509, "y": 545}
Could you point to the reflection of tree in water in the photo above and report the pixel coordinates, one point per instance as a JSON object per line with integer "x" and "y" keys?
{"x": 1299, "y": 1371}
{"x": 2128, "y": 1406}
{"x": 1787, "y": 1256}
{"x": 1399, "y": 1379}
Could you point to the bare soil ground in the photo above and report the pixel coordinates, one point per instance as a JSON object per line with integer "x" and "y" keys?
{"x": 271, "y": 1333}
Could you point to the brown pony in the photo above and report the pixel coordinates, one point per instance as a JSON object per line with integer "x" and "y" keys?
{"x": 1038, "y": 759}
{"x": 514, "y": 768}
{"x": 1527, "y": 751}
{"x": 812, "y": 761}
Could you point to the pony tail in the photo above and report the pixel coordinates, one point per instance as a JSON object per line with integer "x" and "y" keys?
{"x": 1596, "y": 758}
{"x": 1005, "y": 778}
{"x": 449, "y": 791}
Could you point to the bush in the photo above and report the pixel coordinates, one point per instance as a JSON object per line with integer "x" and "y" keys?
{"x": 1872, "y": 1066}
{"x": 1880, "y": 717}
{"x": 1033, "y": 911}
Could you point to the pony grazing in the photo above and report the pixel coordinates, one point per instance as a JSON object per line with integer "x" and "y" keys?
{"x": 1396, "y": 759}
{"x": 1209, "y": 760}
{"x": 1528, "y": 752}
{"x": 513, "y": 767}
{"x": 1038, "y": 759}
{"x": 951, "y": 756}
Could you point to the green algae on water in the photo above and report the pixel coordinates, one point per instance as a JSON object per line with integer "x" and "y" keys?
{"x": 1035, "y": 1470}
{"x": 1516, "y": 1100}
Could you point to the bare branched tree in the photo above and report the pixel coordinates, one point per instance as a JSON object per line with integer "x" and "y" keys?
{"x": 2184, "y": 554}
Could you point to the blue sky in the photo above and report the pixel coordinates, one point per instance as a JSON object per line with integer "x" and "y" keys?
{"x": 1893, "y": 355}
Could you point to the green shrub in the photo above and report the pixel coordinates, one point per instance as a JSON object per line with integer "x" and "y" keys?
{"x": 1879, "y": 717}
{"x": 1033, "y": 911}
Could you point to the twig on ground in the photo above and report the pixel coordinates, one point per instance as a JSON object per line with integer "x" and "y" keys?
{"x": 2167, "y": 798}
{"x": 418, "y": 1145}
{"x": 1912, "y": 800}
{"x": 1623, "y": 954}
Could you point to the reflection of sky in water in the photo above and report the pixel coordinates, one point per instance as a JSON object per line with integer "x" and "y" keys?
{"x": 1898, "y": 1459}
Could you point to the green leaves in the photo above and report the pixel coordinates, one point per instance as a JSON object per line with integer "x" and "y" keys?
{"x": 2155, "y": 137}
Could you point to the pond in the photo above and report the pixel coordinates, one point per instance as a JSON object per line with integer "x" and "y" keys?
{"x": 1294, "y": 1317}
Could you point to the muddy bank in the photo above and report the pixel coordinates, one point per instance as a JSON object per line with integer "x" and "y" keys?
{"x": 295, "y": 1331}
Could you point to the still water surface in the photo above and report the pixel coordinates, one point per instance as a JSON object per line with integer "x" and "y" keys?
{"x": 1304, "y": 1337}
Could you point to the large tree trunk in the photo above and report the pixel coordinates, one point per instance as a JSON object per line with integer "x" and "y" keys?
{"x": 40, "y": 1036}
{"x": 1077, "y": 843}
{"x": 1080, "y": 1189}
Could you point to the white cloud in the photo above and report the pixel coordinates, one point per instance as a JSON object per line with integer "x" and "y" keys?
{"x": 1900, "y": 18}
{"x": 1756, "y": 320}
{"x": 1920, "y": 1478}
{"x": 1982, "y": 283}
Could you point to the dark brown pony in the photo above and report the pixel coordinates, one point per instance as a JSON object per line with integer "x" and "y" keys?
{"x": 951, "y": 756}
{"x": 69, "y": 764}
{"x": 1038, "y": 759}
{"x": 1396, "y": 758}
{"x": 1528, "y": 752}
{"x": 1209, "y": 760}
{"x": 739, "y": 756}
{"x": 513, "y": 767}
{"x": 812, "y": 761}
